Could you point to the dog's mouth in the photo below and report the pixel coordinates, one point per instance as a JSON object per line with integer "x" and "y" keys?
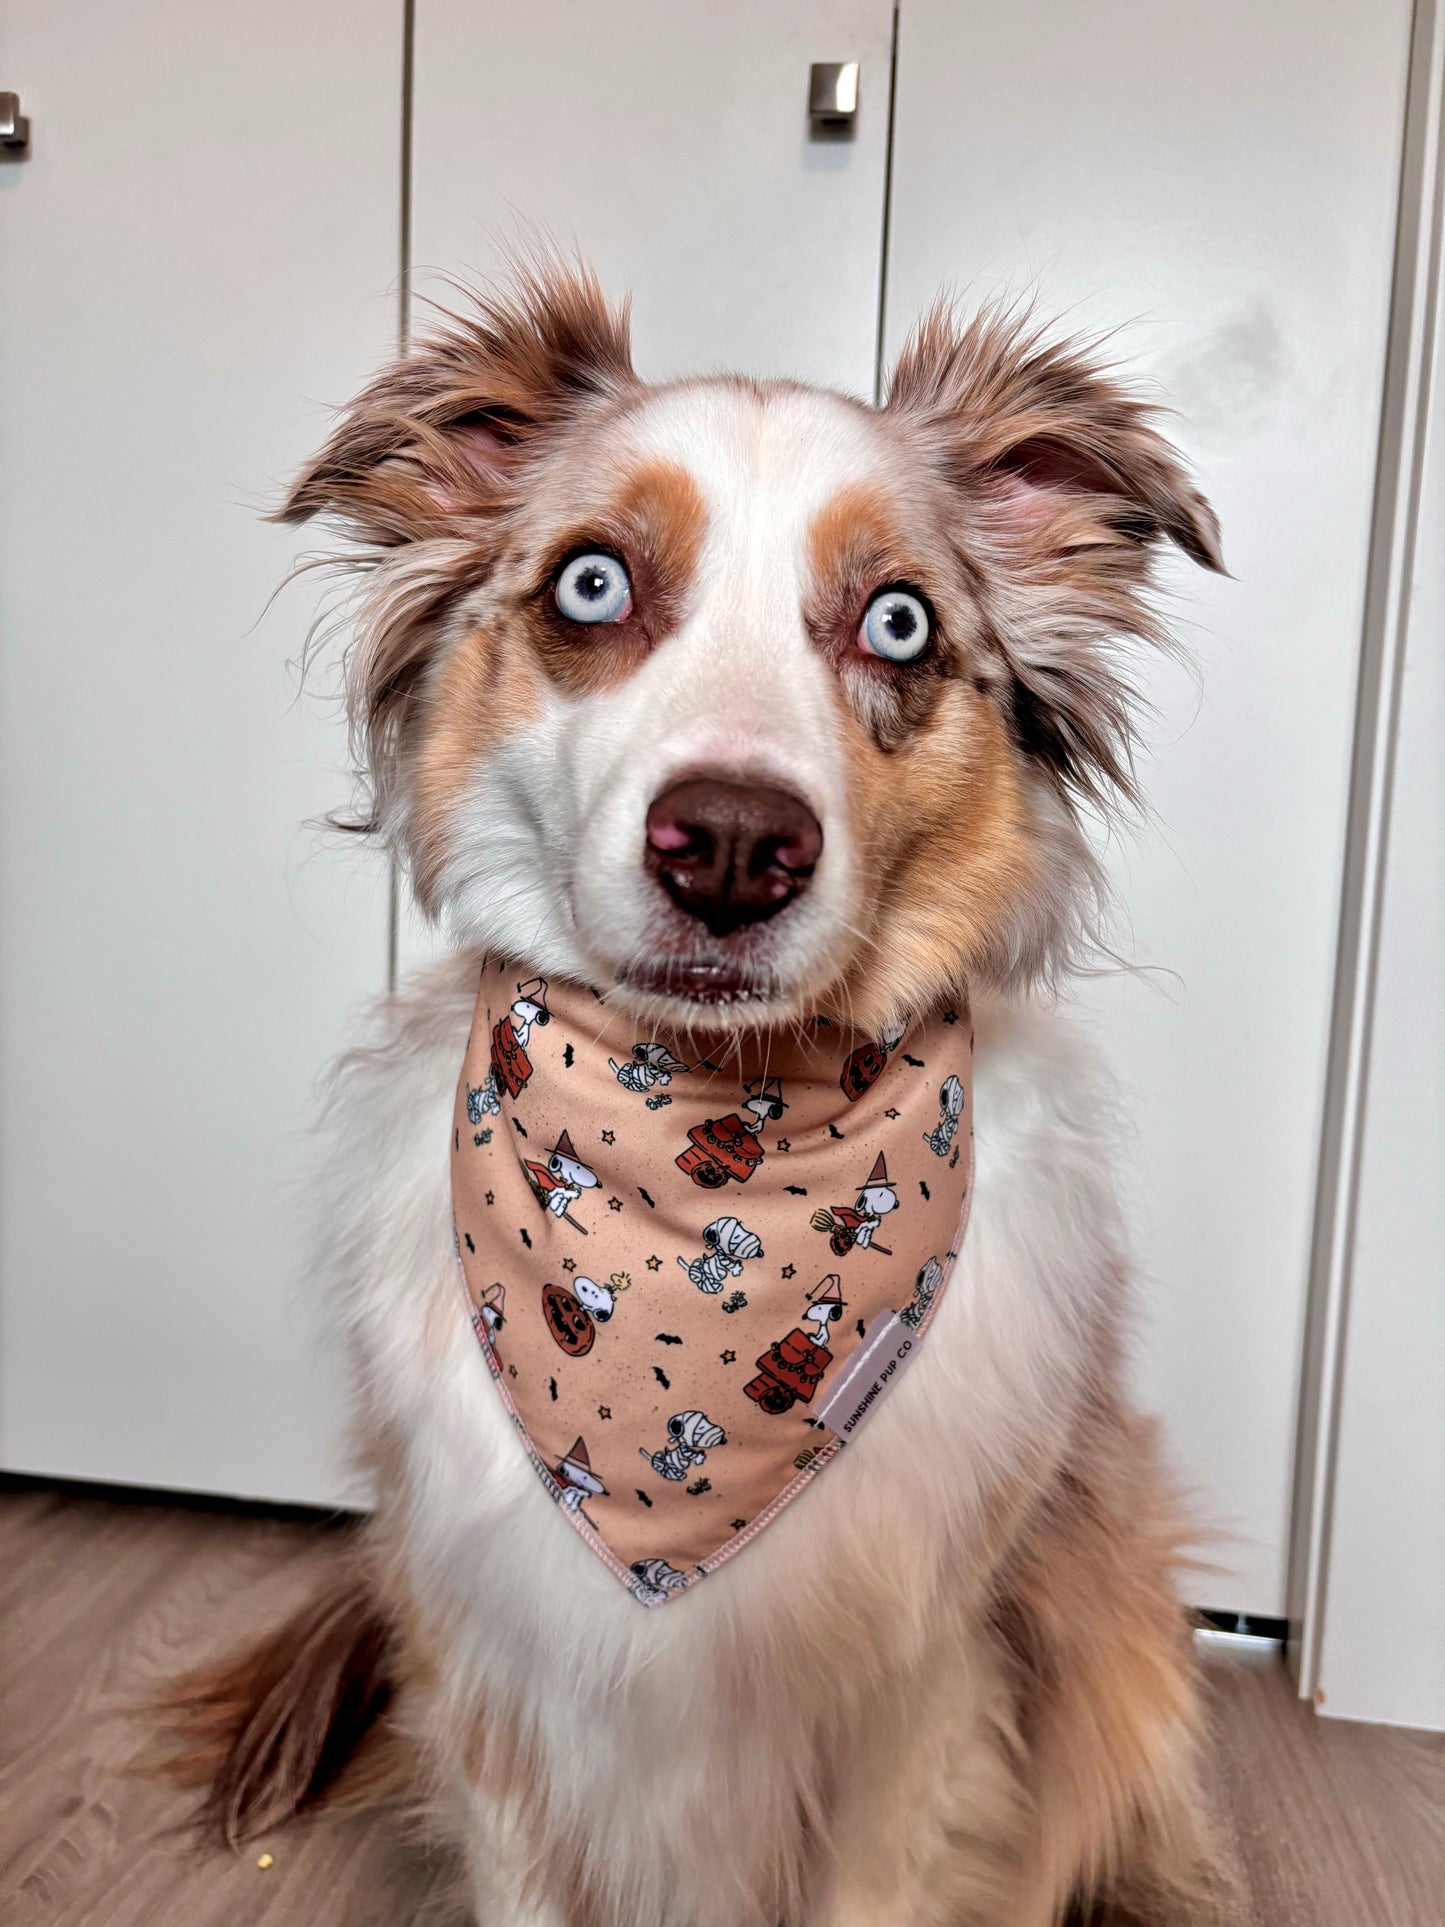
{"x": 714, "y": 984}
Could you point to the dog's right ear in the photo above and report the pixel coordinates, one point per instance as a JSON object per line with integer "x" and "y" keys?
{"x": 444, "y": 432}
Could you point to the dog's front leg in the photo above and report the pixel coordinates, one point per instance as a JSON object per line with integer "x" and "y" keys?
{"x": 930, "y": 1820}
{"x": 507, "y": 1878}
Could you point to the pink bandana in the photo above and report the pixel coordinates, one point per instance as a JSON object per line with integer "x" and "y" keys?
{"x": 695, "y": 1279}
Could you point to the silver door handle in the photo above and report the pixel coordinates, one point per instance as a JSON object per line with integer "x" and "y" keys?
{"x": 14, "y": 127}
{"x": 832, "y": 92}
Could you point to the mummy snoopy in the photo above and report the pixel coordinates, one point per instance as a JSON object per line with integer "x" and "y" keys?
{"x": 925, "y": 1290}
{"x": 950, "y": 1105}
{"x": 726, "y": 1244}
{"x": 561, "y": 1181}
{"x": 654, "y": 1579}
{"x": 482, "y": 1099}
{"x": 653, "y": 1066}
{"x": 690, "y": 1437}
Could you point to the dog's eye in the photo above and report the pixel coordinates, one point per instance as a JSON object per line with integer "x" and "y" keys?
{"x": 594, "y": 588}
{"x": 895, "y": 626}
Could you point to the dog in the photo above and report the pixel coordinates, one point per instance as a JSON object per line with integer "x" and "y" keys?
{"x": 953, "y": 1682}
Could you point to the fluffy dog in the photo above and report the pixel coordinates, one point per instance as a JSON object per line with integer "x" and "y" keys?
{"x": 977, "y": 1705}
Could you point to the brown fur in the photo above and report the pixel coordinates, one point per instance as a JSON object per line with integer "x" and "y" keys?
{"x": 1104, "y": 1678}
{"x": 268, "y": 1732}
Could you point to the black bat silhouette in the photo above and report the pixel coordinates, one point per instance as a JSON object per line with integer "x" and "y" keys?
{"x": 567, "y": 1056}
{"x": 526, "y": 1238}
{"x": 552, "y": 1387}
{"x": 521, "y": 1128}
{"x": 666, "y": 1338}
{"x": 797, "y": 1190}
{"x": 645, "y": 1199}
{"x": 662, "y": 1378}
{"x": 924, "y": 1189}
{"x": 833, "y": 1131}
{"x": 916, "y": 1062}
{"x": 643, "y": 1496}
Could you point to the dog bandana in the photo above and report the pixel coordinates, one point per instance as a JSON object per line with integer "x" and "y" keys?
{"x": 695, "y": 1277}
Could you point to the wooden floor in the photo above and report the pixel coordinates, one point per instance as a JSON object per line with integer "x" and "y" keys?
{"x": 1329, "y": 1825}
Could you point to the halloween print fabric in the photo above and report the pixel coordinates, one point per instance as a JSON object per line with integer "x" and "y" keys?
{"x": 694, "y": 1277}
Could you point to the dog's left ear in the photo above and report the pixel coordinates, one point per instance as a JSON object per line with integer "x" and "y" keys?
{"x": 1065, "y": 488}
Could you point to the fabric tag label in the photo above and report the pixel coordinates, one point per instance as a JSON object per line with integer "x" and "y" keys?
{"x": 873, "y": 1371}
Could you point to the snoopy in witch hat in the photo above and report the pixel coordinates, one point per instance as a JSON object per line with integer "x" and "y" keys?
{"x": 577, "y": 1479}
{"x": 854, "y": 1225}
{"x": 562, "y": 1179}
{"x": 493, "y": 1307}
{"x": 825, "y": 1307}
{"x": 765, "y": 1101}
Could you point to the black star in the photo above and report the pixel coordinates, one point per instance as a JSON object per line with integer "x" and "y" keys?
{"x": 609, "y": 1137}
{"x": 728, "y": 1358}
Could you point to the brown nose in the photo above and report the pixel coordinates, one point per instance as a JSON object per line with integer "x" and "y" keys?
{"x": 731, "y": 853}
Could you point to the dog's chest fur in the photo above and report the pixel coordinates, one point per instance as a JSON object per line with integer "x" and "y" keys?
{"x": 619, "y": 1734}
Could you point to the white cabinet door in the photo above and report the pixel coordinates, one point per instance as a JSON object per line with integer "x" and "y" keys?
{"x": 671, "y": 145}
{"x": 1220, "y": 180}
{"x": 199, "y": 254}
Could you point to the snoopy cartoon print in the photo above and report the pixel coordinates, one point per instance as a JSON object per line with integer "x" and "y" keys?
{"x": 577, "y": 1481}
{"x": 925, "y": 1290}
{"x": 950, "y": 1106}
{"x": 851, "y": 1226}
{"x": 561, "y": 1181}
{"x": 652, "y": 1067}
{"x": 792, "y": 1368}
{"x": 511, "y": 1034}
{"x": 600, "y": 1300}
{"x": 654, "y": 1579}
{"x": 482, "y": 1099}
{"x": 726, "y": 1245}
{"x": 731, "y": 1147}
{"x": 690, "y": 1437}
{"x": 493, "y": 1308}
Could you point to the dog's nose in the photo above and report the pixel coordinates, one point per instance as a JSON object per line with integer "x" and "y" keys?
{"x": 731, "y": 853}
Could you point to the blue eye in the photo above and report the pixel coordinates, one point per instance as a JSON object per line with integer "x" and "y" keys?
{"x": 895, "y": 626}
{"x": 594, "y": 588}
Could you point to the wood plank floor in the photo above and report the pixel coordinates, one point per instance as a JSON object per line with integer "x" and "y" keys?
{"x": 1329, "y": 1825}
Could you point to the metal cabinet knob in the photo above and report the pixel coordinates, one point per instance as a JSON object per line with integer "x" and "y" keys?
{"x": 832, "y": 92}
{"x": 14, "y": 127}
